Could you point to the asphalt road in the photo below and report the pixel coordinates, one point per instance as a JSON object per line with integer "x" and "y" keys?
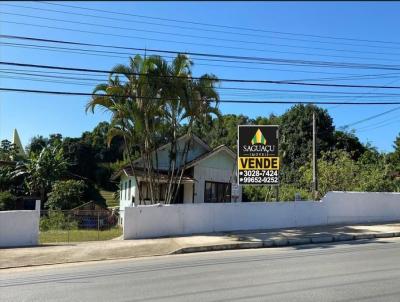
{"x": 356, "y": 271}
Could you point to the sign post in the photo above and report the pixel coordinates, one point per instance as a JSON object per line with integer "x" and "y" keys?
{"x": 258, "y": 159}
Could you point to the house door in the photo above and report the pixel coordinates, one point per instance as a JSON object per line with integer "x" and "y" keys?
{"x": 179, "y": 196}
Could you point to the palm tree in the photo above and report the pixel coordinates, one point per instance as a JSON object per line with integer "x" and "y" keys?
{"x": 152, "y": 103}
{"x": 135, "y": 108}
{"x": 198, "y": 98}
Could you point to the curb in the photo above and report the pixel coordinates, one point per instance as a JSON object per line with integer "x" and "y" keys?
{"x": 282, "y": 242}
{"x": 269, "y": 243}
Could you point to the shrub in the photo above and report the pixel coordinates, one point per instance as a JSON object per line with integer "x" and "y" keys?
{"x": 66, "y": 194}
{"x": 268, "y": 193}
{"x": 56, "y": 220}
{"x": 7, "y": 201}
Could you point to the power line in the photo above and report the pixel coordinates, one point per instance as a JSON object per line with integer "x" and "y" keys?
{"x": 68, "y": 93}
{"x": 248, "y": 59}
{"x": 105, "y": 54}
{"x": 60, "y": 75}
{"x": 252, "y": 95}
{"x": 198, "y": 78}
{"x": 221, "y": 26}
{"x": 186, "y": 43}
{"x": 370, "y": 118}
{"x": 217, "y": 39}
{"x": 373, "y": 90}
{"x": 392, "y": 121}
{"x": 186, "y": 27}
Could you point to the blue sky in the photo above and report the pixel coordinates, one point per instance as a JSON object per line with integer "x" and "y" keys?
{"x": 35, "y": 114}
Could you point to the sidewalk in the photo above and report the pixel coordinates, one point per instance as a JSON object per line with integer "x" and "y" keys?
{"x": 121, "y": 249}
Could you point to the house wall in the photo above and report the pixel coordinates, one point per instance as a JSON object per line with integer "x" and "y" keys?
{"x": 125, "y": 200}
{"x": 19, "y": 228}
{"x": 335, "y": 208}
{"x": 219, "y": 168}
{"x": 188, "y": 193}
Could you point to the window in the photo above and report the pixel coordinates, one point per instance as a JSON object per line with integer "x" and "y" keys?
{"x": 217, "y": 192}
{"x": 126, "y": 185}
{"x": 129, "y": 189}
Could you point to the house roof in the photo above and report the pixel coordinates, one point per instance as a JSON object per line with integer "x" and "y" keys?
{"x": 182, "y": 138}
{"x": 209, "y": 154}
{"x": 139, "y": 171}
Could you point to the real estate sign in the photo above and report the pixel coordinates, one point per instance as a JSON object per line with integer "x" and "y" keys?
{"x": 258, "y": 160}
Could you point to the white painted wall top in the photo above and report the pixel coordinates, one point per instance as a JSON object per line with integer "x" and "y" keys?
{"x": 335, "y": 208}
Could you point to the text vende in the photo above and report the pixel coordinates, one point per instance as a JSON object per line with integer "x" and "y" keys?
{"x": 258, "y": 163}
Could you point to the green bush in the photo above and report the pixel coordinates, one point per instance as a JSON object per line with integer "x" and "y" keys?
{"x": 56, "y": 220}
{"x": 66, "y": 194}
{"x": 268, "y": 193}
{"x": 7, "y": 201}
{"x": 288, "y": 192}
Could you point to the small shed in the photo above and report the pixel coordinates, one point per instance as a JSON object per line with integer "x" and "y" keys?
{"x": 92, "y": 215}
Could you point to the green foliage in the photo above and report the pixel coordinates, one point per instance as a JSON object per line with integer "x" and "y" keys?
{"x": 7, "y": 201}
{"x": 5, "y": 177}
{"x": 42, "y": 169}
{"x": 66, "y": 194}
{"x": 269, "y": 193}
{"x": 8, "y": 151}
{"x": 256, "y": 193}
{"x": 223, "y": 130}
{"x": 97, "y": 139}
{"x": 56, "y": 220}
{"x": 80, "y": 156}
{"x": 296, "y": 137}
{"x": 37, "y": 144}
{"x": 92, "y": 192}
{"x": 374, "y": 173}
{"x": 336, "y": 172}
{"x": 288, "y": 192}
{"x": 349, "y": 143}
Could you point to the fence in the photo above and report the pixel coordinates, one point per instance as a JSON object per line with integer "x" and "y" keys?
{"x": 78, "y": 225}
{"x": 184, "y": 219}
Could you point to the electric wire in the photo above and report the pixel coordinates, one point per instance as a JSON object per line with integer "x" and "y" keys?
{"x": 247, "y": 42}
{"x": 220, "y": 26}
{"x": 199, "y": 78}
{"x": 69, "y": 93}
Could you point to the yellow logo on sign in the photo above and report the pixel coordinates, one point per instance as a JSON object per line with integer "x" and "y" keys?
{"x": 258, "y": 163}
{"x": 258, "y": 138}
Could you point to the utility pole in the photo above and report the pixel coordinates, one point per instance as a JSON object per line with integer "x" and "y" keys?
{"x": 314, "y": 159}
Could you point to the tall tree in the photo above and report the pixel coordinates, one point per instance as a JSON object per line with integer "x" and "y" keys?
{"x": 296, "y": 138}
{"x": 150, "y": 107}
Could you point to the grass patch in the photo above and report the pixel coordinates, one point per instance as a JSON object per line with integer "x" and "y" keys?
{"x": 80, "y": 235}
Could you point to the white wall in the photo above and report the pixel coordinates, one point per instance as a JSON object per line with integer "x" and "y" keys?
{"x": 19, "y": 228}
{"x": 219, "y": 168}
{"x": 362, "y": 206}
{"x": 125, "y": 199}
{"x": 336, "y": 207}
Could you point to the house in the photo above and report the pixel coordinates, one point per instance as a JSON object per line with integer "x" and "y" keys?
{"x": 209, "y": 175}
